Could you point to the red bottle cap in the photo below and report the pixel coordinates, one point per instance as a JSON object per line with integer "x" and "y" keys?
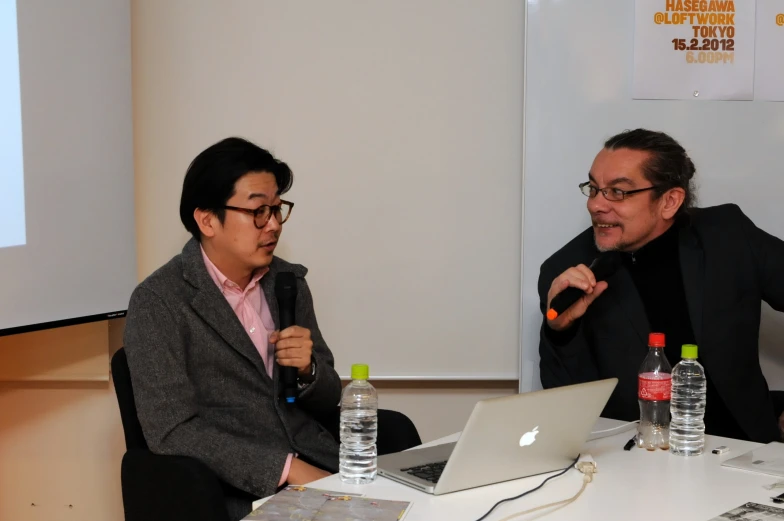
{"x": 656, "y": 340}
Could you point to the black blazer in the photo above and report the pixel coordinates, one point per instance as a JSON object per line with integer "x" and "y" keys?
{"x": 729, "y": 267}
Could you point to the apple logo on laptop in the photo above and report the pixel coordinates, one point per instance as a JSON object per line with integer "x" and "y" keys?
{"x": 529, "y": 437}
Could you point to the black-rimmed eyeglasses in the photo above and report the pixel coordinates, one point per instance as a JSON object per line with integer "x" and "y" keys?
{"x": 262, "y": 214}
{"x": 611, "y": 194}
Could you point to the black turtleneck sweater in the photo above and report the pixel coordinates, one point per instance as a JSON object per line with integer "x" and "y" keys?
{"x": 656, "y": 271}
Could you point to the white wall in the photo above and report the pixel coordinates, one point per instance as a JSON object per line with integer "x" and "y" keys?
{"x": 403, "y": 124}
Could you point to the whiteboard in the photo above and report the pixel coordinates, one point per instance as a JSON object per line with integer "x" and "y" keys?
{"x": 402, "y": 122}
{"x": 577, "y": 94}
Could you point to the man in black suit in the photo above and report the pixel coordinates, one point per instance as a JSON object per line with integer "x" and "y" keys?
{"x": 697, "y": 275}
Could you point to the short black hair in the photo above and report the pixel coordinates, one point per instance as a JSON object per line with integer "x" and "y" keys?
{"x": 669, "y": 165}
{"x": 211, "y": 177}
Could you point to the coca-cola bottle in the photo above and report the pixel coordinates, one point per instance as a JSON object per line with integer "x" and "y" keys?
{"x": 653, "y": 392}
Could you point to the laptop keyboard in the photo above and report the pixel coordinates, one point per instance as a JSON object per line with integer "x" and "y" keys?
{"x": 429, "y": 472}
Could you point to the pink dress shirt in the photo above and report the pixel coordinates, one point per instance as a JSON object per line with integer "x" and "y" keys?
{"x": 252, "y": 309}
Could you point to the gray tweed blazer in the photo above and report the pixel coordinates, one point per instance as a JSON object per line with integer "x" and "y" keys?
{"x": 201, "y": 388}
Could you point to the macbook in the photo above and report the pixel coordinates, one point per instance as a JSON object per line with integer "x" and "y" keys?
{"x": 506, "y": 438}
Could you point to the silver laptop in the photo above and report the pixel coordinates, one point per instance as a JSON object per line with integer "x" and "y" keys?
{"x": 506, "y": 438}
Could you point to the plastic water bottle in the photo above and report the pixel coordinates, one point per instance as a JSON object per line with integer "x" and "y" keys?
{"x": 358, "y": 428}
{"x": 654, "y": 384}
{"x": 687, "y": 431}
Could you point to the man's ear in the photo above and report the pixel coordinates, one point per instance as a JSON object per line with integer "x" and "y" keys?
{"x": 671, "y": 202}
{"x": 207, "y": 222}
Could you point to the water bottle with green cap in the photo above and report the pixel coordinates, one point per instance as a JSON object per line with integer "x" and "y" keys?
{"x": 358, "y": 428}
{"x": 687, "y": 404}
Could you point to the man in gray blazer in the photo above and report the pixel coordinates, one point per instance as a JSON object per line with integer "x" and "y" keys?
{"x": 203, "y": 344}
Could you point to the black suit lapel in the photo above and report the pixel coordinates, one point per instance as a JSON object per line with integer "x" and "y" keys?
{"x": 693, "y": 273}
{"x": 622, "y": 288}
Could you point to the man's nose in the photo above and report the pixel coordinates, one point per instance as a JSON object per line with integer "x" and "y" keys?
{"x": 598, "y": 204}
{"x": 272, "y": 224}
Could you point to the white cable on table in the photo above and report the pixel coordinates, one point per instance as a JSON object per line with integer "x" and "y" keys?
{"x": 588, "y": 468}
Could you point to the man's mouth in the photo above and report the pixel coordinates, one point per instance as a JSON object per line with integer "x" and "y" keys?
{"x": 605, "y": 226}
{"x": 269, "y": 245}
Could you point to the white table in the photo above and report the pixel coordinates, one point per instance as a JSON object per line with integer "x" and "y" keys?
{"x": 634, "y": 485}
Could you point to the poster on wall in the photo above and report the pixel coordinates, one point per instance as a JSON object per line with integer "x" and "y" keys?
{"x": 694, "y": 49}
{"x": 769, "y": 70}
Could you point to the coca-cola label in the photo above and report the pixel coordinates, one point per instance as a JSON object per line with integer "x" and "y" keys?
{"x": 654, "y": 387}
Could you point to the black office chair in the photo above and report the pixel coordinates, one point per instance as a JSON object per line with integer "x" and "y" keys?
{"x": 174, "y": 488}
{"x": 156, "y": 487}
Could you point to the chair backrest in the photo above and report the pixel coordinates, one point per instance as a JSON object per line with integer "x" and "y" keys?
{"x": 134, "y": 437}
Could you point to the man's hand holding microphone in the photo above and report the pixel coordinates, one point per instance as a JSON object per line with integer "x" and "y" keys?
{"x": 576, "y": 288}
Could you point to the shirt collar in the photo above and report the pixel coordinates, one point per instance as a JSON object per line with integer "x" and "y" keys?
{"x": 222, "y": 281}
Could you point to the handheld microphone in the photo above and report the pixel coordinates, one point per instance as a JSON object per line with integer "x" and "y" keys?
{"x": 603, "y": 267}
{"x": 286, "y": 294}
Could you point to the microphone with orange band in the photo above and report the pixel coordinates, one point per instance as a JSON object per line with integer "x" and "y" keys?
{"x": 603, "y": 267}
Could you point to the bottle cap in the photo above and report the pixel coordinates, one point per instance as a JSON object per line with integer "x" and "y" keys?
{"x": 360, "y": 372}
{"x": 689, "y": 351}
{"x": 656, "y": 340}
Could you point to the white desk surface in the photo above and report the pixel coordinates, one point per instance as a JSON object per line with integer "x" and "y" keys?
{"x": 630, "y": 486}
